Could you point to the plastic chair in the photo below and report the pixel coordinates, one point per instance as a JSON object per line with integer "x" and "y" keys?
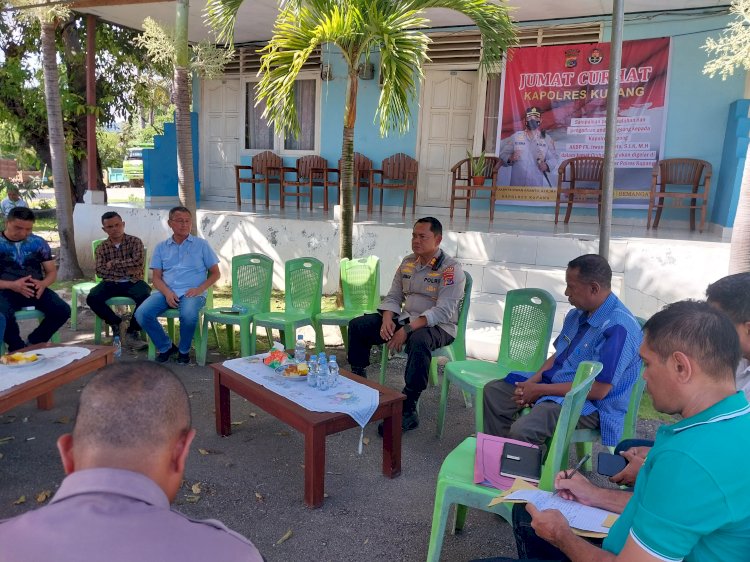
{"x": 685, "y": 172}
{"x": 360, "y": 283}
{"x": 172, "y": 314}
{"x": 583, "y": 176}
{"x": 80, "y": 289}
{"x": 455, "y": 351}
{"x": 30, "y": 315}
{"x": 252, "y": 281}
{"x": 524, "y": 343}
{"x": 463, "y": 181}
{"x": 398, "y": 172}
{"x": 265, "y": 169}
{"x": 119, "y": 301}
{"x": 455, "y": 484}
{"x": 303, "y": 288}
{"x": 311, "y": 171}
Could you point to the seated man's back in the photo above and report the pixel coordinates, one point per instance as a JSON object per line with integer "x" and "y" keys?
{"x": 125, "y": 462}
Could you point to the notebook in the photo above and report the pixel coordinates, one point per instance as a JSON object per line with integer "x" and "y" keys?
{"x": 521, "y": 462}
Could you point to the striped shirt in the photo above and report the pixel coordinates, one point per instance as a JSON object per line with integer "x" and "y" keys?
{"x": 126, "y": 260}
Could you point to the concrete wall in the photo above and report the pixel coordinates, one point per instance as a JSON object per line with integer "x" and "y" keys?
{"x": 650, "y": 273}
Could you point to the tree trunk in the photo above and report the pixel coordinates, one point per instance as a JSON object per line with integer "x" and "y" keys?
{"x": 739, "y": 252}
{"x": 347, "y": 172}
{"x": 68, "y": 268}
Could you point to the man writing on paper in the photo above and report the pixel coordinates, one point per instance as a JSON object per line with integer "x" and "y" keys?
{"x": 124, "y": 462}
{"x": 690, "y": 500}
{"x": 600, "y": 328}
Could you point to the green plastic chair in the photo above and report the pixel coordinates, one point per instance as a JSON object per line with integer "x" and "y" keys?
{"x": 524, "y": 343}
{"x": 30, "y": 315}
{"x": 455, "y": 484}
{"x": 99, "y": 326}
{"x": 80, "y": 289}
{"x": 303, "y": 287}
{"x": 584, "y": 438}
{"x": 360, "y": 283}
{"x": 455, "y": 351}
{"x": 252, "y": 281}
{"x": 172, "y": 314}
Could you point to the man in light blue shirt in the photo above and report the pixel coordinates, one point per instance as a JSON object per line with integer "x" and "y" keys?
{"x": 184, "y": 267}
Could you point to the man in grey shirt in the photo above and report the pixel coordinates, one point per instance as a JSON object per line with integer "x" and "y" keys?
{"x": 124, "y": 463}
{"x": 419, "y": 312}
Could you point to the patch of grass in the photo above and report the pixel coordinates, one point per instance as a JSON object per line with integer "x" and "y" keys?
{"x": 45, "y": 223}
{"x": 647, "y": 411}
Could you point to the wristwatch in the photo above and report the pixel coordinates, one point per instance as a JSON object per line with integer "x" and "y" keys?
{"x": 408, "y": 329}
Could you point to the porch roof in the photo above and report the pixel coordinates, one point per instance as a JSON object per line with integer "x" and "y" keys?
{"x": 256, "y": 17}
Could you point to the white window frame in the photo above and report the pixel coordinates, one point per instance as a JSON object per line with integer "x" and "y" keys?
{"x": 278, "y": 140}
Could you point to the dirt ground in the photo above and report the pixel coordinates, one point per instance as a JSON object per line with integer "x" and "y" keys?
{"x": 253, "y": 479}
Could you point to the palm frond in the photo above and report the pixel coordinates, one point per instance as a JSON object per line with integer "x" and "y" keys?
{"x": 221, "y": 15}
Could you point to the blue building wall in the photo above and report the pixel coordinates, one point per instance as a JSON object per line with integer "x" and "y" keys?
{"x": 160, "y": 162}
{"x": 698, "y": 108}
{"x": 727, "y": 182}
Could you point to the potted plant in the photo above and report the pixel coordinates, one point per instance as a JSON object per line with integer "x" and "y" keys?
{"x": 476, "y": 165}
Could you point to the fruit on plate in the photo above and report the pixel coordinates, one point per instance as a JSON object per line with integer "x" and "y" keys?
{"x": 291, "y": 371}
{"x": 18, "y": 358}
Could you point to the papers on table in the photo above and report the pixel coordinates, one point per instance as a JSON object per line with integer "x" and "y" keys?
{"x": 579, "y": 516}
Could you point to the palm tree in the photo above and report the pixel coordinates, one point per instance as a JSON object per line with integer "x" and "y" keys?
{"x": 358, "y": 28}
{"x": 48, "y": 17}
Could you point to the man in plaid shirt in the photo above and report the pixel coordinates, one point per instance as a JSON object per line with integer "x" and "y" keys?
{"x": 119, "y": 262}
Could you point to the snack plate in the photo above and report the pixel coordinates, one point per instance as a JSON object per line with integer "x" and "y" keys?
{"x": 280, "y": 372}
{"x": 39, "y": 359}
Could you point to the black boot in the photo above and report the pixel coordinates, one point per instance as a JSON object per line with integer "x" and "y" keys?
{"x": 409, "y": 417}
{"x": 359, "y": 371}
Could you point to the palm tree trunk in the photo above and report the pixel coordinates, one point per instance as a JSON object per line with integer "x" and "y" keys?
{"x": 68, "y": 267}
{"x": 185, "y": 176}
{"x": 739, "y": 250}
{"x": 347, "y": 173}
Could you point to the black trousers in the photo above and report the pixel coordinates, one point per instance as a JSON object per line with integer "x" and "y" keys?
{"x": 364, "y": 332}
{"x": 101, "y": 293}
{"x": 56, "y": 313}
{"x": 530, "y": 547}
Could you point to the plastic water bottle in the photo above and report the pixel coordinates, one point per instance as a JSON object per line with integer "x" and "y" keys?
{"x": 300, "y": 349}
{"x": 312, "y": 373}
{"x": 333, "y": 371}
{"x": 117, "y": 344}
{"x": 324, "y": 382}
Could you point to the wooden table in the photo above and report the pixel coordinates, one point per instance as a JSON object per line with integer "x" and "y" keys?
{"x": 315, "y": 426}
{"x": 41, "y": 387}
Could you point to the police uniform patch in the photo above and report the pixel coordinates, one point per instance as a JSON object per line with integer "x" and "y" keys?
{"x": 448, "y": 276}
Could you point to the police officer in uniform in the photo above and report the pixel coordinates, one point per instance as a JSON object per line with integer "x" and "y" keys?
{"x": 420, "y": 313}
{"x": 531, "y": 153}
{"x": 125, "y": 462}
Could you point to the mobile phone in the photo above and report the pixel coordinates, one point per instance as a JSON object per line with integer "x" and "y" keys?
{"x": 608, "y": 464}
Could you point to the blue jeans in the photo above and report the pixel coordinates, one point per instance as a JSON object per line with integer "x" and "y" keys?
{"x": 147, "y": 316}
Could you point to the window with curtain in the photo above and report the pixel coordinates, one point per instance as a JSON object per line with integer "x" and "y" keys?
{"x": 259, "y": 135}
{"x": 491, "y": 113}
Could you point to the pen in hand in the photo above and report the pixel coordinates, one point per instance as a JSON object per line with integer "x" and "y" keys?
{"x": 570, "y": 475}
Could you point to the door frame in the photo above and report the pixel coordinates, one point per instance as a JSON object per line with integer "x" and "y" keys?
{"x": 479, "y": 103}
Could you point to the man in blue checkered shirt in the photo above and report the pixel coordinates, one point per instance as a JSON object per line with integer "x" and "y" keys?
{"x": 600, "y": 328}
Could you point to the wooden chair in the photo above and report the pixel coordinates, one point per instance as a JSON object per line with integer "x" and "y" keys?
{"x": 583, "y": 176}
{"x": 311, "y": 171}
{"x": 362, "y": 167}
{"x": 398, "y": 172}
{"x": 463, "y": 181}
{"x": 264, "y": 169}
{"x": 685, "y": 174}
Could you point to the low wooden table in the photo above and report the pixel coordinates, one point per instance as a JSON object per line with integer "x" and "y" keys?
{"x": 41, "y": 387}
{"x": 315, "y": 426}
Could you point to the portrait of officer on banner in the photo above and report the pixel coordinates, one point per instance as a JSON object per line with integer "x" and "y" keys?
{"x": 530, "y": 153}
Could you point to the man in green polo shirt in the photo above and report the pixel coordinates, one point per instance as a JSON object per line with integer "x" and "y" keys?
{"x": 690, "y": 500}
